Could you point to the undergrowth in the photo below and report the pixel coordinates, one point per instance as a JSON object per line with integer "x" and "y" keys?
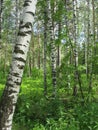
{"x": 35, "y": 112}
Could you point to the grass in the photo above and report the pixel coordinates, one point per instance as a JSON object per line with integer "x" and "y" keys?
{"x": 18, "y": 127}
{"x": 32, "y": 109}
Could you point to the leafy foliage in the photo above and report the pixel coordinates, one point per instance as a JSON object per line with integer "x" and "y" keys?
{"x": 36, "y": 112}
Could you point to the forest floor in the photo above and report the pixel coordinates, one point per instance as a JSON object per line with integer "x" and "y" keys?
{"x": 34, "y": 112}
{"x": 18, "y": 127}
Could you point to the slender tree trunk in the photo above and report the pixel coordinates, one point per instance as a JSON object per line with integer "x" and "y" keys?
{"x": 32, "y": 52}
{"x": 5, "y": 57}
{"x": 67, "y": 40}
{"x": 16, "y": 19}
{"x": 76, "y": 74}
{"x": 10, "y": 94}
{"x": 53, "y": 49}
{"x": 88, "y": 40}
{"x": 93, "y": 20}
{"x": 30, "y": 62}
{"x": 0, "y": 20}
{"x": 92, "y": 51}
{"x": 45, "y": 46}
{"x": 39, "y": 62}
{"x": 1, "y": 4}
{"x": 29, "y": 67}
{"x": 75, "y": 48}
{"x": 58, "y": 47}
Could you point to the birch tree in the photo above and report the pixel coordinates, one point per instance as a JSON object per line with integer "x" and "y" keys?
{"x": 10, "y": 94}
{"x": 52, "y": 44}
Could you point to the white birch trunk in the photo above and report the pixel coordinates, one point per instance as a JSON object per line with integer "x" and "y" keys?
{"x": 53, "y": 47}
{"x": 10, "y": 94}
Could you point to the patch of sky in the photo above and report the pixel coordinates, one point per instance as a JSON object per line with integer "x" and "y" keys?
{"x": 81, "y": 38}
{"x": 37, "y": 29}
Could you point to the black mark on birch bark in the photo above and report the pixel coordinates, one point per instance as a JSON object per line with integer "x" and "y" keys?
{"x": 20, "y": 59}
{"x": 18, "y": 50}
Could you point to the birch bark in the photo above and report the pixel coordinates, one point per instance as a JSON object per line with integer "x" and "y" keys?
{"x": 10, "y": 94}
{"x": 53, "y": 47}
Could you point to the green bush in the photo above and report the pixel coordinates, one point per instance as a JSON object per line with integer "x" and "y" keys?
{"x": 38, "y": 113}
{"x": 87, "y": 116}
